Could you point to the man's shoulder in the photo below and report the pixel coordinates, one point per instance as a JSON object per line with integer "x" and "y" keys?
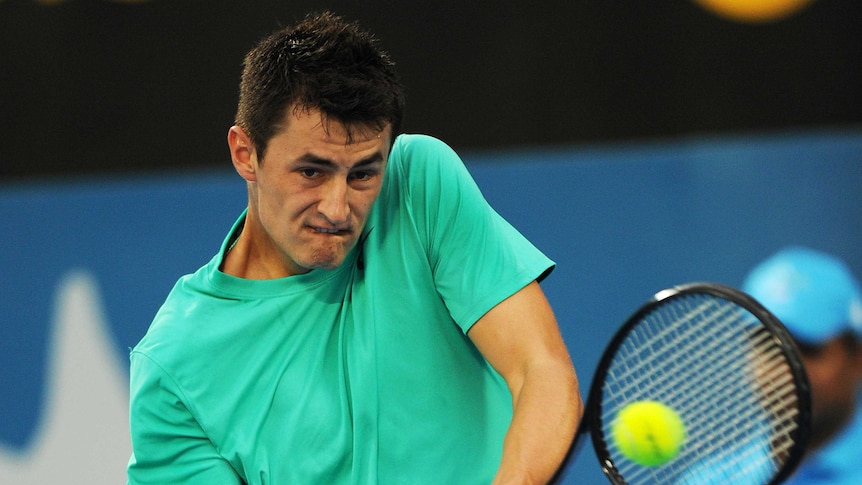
{"x": 176, "y": 323}
{"x": 408, "y": 145}
{"x": 416, "y": 160}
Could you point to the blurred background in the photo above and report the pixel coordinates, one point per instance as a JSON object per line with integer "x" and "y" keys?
{"x": 639, "y": 144}
{"x": 95, "y": 86}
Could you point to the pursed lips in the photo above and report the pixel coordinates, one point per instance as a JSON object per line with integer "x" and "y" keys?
{"x": 324, "y": 230}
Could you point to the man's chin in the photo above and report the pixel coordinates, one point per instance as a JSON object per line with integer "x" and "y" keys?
{"x": 327, "y": 259}
{"x": 328, "y": 265}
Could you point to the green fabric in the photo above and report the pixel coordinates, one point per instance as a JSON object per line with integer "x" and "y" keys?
{"x": 362, "y": 374}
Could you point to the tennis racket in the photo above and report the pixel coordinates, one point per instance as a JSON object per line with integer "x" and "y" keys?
{"x": 727, "y": 367}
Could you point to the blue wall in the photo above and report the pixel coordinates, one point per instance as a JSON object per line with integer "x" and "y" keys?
{"x": 622, "y": 222}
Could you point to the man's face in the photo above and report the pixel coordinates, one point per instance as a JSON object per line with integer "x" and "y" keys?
{"x": 309, "y": 199}
{"x": 834, "y": 372}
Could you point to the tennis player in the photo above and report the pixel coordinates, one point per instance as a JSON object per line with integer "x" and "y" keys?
{"x": 367, "y": 319}
{"x": 818, "y": 299}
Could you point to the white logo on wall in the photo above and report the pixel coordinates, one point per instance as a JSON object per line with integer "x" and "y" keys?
{"x": 83, "y": 436}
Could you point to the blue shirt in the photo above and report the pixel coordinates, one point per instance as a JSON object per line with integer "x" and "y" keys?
{"x": 839, "y": 462}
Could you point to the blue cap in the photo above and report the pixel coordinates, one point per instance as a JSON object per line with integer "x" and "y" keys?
{"x": 813, "y": 294}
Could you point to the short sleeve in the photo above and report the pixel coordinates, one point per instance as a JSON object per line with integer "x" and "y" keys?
{"x": 168, "y": 444}
{"x": 477, "y": 258}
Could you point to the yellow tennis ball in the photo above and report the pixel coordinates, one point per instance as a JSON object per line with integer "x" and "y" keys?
{"x": 648, "y": 433}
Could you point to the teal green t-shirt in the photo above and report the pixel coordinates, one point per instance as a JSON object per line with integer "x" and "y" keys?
{"x": 359, "y": 375}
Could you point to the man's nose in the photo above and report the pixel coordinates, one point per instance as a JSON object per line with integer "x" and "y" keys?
{"x": 333, "y": 202}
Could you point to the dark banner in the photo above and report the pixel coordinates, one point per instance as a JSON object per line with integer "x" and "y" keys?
{"x": 101, "y": 86}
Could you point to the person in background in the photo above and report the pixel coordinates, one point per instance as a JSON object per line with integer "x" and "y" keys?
{"x": 368, "y": 318}
{"x": 817, "y": 298}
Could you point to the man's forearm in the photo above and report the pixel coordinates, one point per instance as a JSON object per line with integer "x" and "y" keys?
{"x": 547, "y": 410}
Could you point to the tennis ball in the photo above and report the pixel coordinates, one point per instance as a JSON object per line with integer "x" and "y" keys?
{"x": 648, "y": 433}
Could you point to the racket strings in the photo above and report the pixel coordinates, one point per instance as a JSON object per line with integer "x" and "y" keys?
{"x": 779, "y": 396}
{"x": 677, "y": 368}
{"x": 714, "y": 377}
{"x": 705, "y": 357}
{"x": 650, "y": 366}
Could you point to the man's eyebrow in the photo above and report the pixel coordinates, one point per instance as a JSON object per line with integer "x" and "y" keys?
{"x": 312, "y": 159}
{"x": 369, "y": 160}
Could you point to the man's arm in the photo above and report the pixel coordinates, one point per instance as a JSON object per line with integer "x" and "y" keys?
{"x": 519, "y": 337}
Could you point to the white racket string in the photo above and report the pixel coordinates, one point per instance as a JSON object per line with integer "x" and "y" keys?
{"x": 712, "y": 361}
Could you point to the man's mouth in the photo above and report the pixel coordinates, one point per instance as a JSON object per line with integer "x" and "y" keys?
{"x": 325, "y": 230}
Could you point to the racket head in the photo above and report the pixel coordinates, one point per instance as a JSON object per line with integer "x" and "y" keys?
{"x": 731, "y": 371}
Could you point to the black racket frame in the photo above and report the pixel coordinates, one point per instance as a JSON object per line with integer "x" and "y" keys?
{"x": 591, "y": 422}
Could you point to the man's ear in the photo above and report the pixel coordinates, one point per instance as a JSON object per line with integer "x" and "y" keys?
{"x": 242, "y": 153}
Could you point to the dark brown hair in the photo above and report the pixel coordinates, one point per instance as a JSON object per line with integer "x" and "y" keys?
{"x": 323, "y": 62}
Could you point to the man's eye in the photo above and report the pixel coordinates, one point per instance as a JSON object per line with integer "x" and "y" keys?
{"x": 362, "y": 175}
{"x": 309, "y": 172}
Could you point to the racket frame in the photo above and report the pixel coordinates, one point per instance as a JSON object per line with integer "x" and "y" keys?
{"x": 592, "y": 424}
